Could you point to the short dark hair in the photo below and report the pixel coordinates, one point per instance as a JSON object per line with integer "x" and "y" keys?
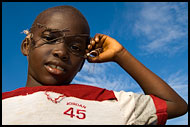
{"x": 64, "y": 9}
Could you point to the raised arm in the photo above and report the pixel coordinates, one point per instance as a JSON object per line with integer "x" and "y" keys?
{"x": 150, "y": 83}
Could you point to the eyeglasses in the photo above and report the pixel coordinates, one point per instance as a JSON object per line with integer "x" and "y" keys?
{"x": 75, "y": 43}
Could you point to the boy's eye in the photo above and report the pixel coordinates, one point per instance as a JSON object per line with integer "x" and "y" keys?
{"x": 49, "y": 39}
{"x": 75, "y": 48}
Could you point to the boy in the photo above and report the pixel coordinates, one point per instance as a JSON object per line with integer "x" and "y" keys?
{"x": 56, "y": 47}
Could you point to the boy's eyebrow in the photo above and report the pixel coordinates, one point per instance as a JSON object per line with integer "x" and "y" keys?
{"x": 47, "y": 28}
{"x": 59, "y": 30}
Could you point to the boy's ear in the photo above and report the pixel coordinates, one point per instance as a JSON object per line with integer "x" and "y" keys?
{"x": 25, "y": 47}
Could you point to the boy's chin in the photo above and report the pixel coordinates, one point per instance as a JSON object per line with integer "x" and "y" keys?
{"x": 54, "y": 83}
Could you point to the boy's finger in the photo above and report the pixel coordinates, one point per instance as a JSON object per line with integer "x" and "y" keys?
{"x": 89, "y": 47}
{"x": 93, "y": 59}
{"x": 98, "y": 37}
{"x": 101, "y": 38}
{"x": 92, "y": 42}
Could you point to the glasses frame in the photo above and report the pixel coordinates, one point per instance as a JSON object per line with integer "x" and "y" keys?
{"x": 62, "y": 37}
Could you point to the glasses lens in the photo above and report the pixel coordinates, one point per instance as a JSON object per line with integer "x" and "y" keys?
{"x": 50, "y": 37}
{"x": 76, "y": 45}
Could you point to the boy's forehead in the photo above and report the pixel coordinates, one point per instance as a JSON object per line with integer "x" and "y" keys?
{"x": 65, "y": 20}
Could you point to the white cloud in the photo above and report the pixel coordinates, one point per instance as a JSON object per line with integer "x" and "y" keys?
{"x": 183, "y": 120}
{"x": 177, "y": 78}
{"x": 160, "y": 27}
{"x": 179, "y": 82}
{"x": 163, "y": 26}
{"x": 105, "y": 75}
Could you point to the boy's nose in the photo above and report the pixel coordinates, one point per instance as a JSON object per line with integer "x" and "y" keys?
{"x": 61, "y": 52}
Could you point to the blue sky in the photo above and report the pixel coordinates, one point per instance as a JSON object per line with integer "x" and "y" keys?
{"x": 155, "y": 33}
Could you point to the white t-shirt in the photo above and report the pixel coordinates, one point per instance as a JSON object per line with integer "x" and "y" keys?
{"x": 80, "y": 105}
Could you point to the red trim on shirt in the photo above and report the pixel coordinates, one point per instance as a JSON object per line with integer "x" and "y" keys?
{"x": 161, "y": 110}
{"x": 74, "y": 90}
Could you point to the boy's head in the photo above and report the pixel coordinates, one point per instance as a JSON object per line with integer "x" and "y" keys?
{"x": 55, "y": 49}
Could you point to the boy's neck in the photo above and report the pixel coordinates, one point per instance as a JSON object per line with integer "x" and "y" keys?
{"x": 31, "y": 82}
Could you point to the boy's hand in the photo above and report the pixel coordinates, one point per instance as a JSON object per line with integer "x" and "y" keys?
{"x": 108, "y": 47}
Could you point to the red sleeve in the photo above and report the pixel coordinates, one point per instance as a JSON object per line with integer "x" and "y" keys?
{"x": 161, "y": 110}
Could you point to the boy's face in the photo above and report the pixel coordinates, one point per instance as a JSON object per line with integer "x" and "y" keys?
{"x": 57, "y": 64}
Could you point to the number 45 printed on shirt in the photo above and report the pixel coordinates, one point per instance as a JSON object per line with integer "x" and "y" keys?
{"x": 80, "y": 114}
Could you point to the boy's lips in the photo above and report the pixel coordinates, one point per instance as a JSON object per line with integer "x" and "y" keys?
{"x": 54, "y": 68}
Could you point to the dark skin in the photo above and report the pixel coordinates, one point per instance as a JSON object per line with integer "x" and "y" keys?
{"x": 113, "y": 51}
{"x": 150, "y": 83}
{"x": 38, "y": 58}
